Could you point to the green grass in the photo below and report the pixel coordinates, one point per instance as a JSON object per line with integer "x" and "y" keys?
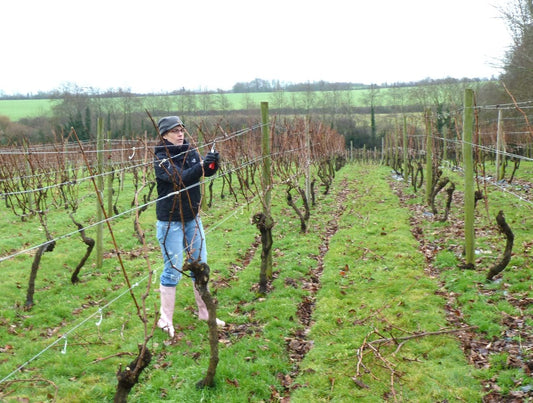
{"x": 373, "y": 285}
{"x": 383, "y": 290}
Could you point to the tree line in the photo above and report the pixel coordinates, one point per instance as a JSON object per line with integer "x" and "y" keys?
{"x": 125, "y": 114}
{"x": 254, "y": 86}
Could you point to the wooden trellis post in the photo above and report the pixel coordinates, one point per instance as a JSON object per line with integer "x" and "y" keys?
{"x": 100, "y": 183}
{"x": 429, "y": 158}
{"x": 468, "y": 161}
{"x": 405, "y": 151}
{"x": 499, "y": 147}
{"x": 110, "y": 179}
{"x": 267, "y": 176}
{"x": 308, "y": 158}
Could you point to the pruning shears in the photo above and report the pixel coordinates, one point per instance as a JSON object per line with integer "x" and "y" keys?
{"x": 212, "y": 165}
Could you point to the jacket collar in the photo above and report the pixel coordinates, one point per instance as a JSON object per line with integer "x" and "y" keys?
{"x": 174, "y": 149}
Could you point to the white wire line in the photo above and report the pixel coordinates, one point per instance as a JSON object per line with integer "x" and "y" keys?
{"x": 64, "y": 337}
{"x": 125, "y": 292}
{"x": 482, "y": 147}
{"x": 47, "y": 149}
{"x": 521, "y": 105}
{"x": 94, "y": 224}
{"x": 131, "y": 210}
{"x": 487, "y": 134}
{"x": 77, "y": 180}
{"x": 67, "y": 170}
{"x": 219, "y": 139}
{"x": 71, "y": 182}
{"x": 486, "y": 148}
{"x": 233, "y": 214}
{"x": 495, "y": 184}
{"x": 224, "y": 138}
{"x": 106, "y": 163}
{"x": 506, "y": 106}
{"x": 43, "y": 146}
{"x": 79, "y": 167}
{"x": 55, "y": 205}
{"x": 502, "y": 188}
{"x": 151, "y": 143}
{"x": 56, "y": 152}
{"x": 132, "y": 164}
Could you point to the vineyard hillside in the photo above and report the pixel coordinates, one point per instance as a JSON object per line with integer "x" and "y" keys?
{"x": 371, "y": 303}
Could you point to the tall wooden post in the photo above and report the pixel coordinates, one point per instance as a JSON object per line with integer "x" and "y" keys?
{"x": 308, "y": 159}
{"x": 429, "y": 158}
{"x": 267, "y": 178}
{"x": 445, "y": 144}
{"x": 405, "y": 162}
{"x": 468, "y": 162}
{"x": 382, "y": 150}
{"x": 100, "y": 185}
{"x": 31, "y": 200}
{"x": 110, "y": 179}
{"x": 499, "y": 145}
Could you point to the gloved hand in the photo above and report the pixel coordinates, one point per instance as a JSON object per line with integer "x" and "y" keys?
{"x": 211, "y": 160}
{"x": 211, "y": 157}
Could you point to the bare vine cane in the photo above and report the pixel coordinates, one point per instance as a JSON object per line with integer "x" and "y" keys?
{"x": 201, "y": 274}
{"x": 130, "y": 376}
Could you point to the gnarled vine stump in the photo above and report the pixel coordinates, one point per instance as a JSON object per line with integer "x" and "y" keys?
{"x": 201, "y": 276}
{"x": 506, "y": 230}
{"x": 128, "y": 378}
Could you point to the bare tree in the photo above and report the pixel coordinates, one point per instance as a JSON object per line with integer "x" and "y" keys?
{"x": 518, "y": 62}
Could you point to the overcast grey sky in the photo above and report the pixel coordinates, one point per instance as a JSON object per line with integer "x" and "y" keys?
{"x": 163, "y": 45}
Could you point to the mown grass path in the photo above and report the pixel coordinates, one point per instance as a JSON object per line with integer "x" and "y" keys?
{"x": 379, "y": 329}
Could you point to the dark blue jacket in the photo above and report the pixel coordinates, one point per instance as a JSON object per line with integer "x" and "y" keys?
{"x": 178, "y": 169}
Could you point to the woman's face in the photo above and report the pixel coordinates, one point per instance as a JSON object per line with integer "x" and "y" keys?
{"x": 176, "y": 135}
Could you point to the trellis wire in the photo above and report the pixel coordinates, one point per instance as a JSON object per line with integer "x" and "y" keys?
{"x": 131, "y": 210}
{"x": 125, "y": 292}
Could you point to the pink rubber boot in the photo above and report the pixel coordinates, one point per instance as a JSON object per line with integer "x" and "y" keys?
{"x": 168, "y": 299}
{"x": 202, "y": 309}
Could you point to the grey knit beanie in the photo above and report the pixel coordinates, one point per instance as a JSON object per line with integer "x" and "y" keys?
{"x": 168, "y": 123}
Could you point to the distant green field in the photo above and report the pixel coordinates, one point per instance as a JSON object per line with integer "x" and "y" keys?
{"x": 26, "y": 108}
{"x": 252, "y": 100}
{"x": 18, "y": 109}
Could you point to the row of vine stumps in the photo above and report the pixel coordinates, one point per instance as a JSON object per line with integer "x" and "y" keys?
{"x": 517, "y": 338}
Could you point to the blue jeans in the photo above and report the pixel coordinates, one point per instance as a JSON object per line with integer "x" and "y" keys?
{"x": 175, "y": 238}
